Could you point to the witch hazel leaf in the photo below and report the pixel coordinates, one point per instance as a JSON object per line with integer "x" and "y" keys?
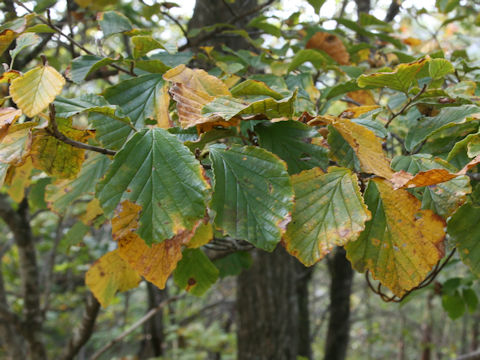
{"x": 363, "y": 141}
{"x": 403, "y": 179}
{"x": 402, "y": 78}
{"x": 108, "y": 275}
{"x": 401, "y": 243}
{"x": 329, "y": 211}
{"x": 155, "y": 263}
{"x": 170, "y": 189}
{"x": 253, "y": 195}
{"x": 36, "y": 89}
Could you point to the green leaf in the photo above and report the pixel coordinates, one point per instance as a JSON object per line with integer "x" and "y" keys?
{"x": 329, "y": 211}
{"x": 157, "y": 172}
{"x": 443, "y": 198}
{"x": 23, "y": 41}
{"x": 251, "y": 87}
{"x": 113, "y": 22}
{"x": 292, "y": 142}
{"x": 438, "y": 68}
{"x": 195, "y": 272}
{"x": 83, "y": 66}
{"x": 471, "y": 299}
{"x": 233, "y": 264}
{"x": 227, "y": 107}
{"x": 62, "y": 194}
{"x": 401, "y": 243}
{"x": 307, "y": 55}
{"x": 142, "y": 44}
{"x": 137, "y": 97}
{"x": 253, "y": 195}
{"x": 66, "y": 108}
{"x": 465, "y": 232}
{"x": 401, "y": 79}
{"x": 111, "y": 133}
{"x": 341, "y": 151}
{"x": 317, "y": 5}
{"x": 453, "y": 305}
{"x": 428, "y": 126}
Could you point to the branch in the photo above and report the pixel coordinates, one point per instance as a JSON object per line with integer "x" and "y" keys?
{"x": 137, "y": 324}
{"x": 393, "y": 10}
{"x": 471, "y": 356}
{"x": 69, "y": 38}
{"x": 53, "y": 130}
{"x": 18, "y": 222}
{"x": 233, "y": 20}
{"x": 84, "y": 331}
{"x": 407, "y": 104}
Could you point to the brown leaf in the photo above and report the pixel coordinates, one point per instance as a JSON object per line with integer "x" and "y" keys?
{"x": 402, "y": 179}
{"x": 154, "y": 263}
{"x": 331, "y": 44}
{"x": 8, "y": 116}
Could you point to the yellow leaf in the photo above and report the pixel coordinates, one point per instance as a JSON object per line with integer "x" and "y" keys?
{"x": 364, "y": 97}
{"x": 401, "y": 243}
{"x": 8, "y": 76}
{"x": 355, "y": 112}
{"x": 16, "y": 145}
{"x": 161, "y": 109}
{"x": 35, "y": 90}
{"x": 92, "y": 212}
{"x": 8, "y": 116}
{"x": 154, "y": 263}
{"x": 54, "y": 156}
{"x": 108, "y": 275}
{"x": 6, "y": 38}
{"x": 203, "y": 235}
{"x": 19, "y": 179}
{"x": 366, "y": 145}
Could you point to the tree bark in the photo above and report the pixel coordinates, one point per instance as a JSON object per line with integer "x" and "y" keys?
{"x": 210, "y": 12}
{"x": 341, "y": 279}
{"x": 18, "y": 222}
{"x": 267, "y": 308}
{"x": 153, "y": 342}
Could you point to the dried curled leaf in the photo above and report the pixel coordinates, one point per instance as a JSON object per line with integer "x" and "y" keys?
{"x": 403, "y": 179}
{"x": 192, "y": 89}
{"x": 331, "y": 44}
{"x": 8, "y": 116}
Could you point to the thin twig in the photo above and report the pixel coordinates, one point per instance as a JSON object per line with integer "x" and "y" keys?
{"x": 407, "y": 104}
{"x": 179, "y": 25}
{"x": 53, "y": 130}
{"x": 427, "y": 281}
{"x": 69, "y": 38}
{"x": 137, "y": 324}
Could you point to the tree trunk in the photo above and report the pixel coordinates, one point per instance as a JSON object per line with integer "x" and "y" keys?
{"x": 341, "y": 275}
{"x": 153, "y": 341}
{"x": 210, "y": 12}
{"x": 267, "y": 308}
